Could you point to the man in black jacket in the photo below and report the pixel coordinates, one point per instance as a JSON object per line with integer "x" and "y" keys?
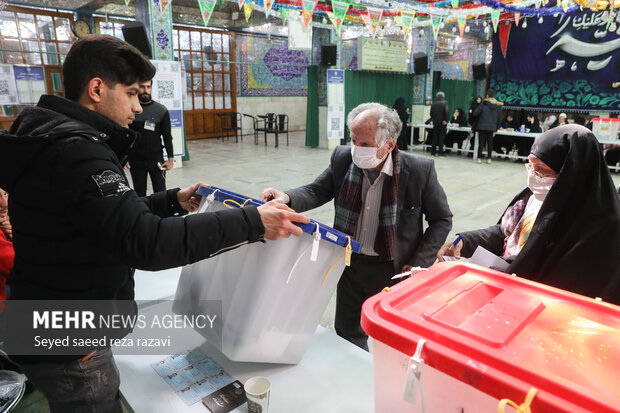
{"x": 146, "y": 157}
{"x": 78, "y": 227}
{"x": 441, "y": 115}
{"x": 488, "y": 116}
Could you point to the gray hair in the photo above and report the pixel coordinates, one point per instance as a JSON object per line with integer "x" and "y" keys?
{"x": 441, "y": 96}
{"x": 388, "y": 124}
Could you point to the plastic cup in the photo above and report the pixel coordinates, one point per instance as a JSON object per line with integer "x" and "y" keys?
{"x": 257, "y": 391}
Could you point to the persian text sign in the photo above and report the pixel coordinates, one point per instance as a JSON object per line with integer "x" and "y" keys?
{"x": 568, "y": 61}
{"x": 382, "y": 55}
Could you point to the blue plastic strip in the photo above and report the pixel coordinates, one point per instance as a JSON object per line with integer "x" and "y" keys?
{"x": 327, "y": 232}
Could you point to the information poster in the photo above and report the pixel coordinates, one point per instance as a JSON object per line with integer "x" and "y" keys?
{"x": 8, "y": 89}
{"x": 30, "y": 81}
{"x": 335, "y": 104}
{"x": 299, "y": 38}
{"x": 168, "y": 90}
{"x": 382, "y": 55}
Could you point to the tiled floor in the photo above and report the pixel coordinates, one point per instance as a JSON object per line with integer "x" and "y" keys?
{"x": 477, "y": 193}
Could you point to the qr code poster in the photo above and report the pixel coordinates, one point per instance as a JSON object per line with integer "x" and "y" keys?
{"x": 8, "y": 88}
{"x": 167, "y": 90}
{"x": 167, "y": 84}
{"x": 335, "y": 122}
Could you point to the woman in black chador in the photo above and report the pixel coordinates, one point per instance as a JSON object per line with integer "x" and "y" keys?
{"x": 564, "y": 228}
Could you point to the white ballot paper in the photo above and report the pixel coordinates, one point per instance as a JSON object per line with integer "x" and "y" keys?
{"x": 484, "y": 257}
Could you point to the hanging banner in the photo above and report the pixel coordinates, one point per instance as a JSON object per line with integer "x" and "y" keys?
{"x": 462, "y": 21}
{"x": 495, "y": 19}
{"x": 567, "y": 61}
{"x": 283, "y": 15}
{"x": 504, "y": 34}
{"x": 374, "y": 15}
{"x": 299, "y": 37}
{"x": 517, "y": 16}
{"x": 308, "y": 7}
{"x": 436, "y": 23}
{"x": 398, "y": 17}
{"x": 247, "y": 10}
{"x": 267, "y": 5}
{"x": 337, "y": 24}
{"x": 340, "y": 9}
{"x": 240, "y": 3}
{"x": 407, "y": 17}
{"x": 206, "y": 10}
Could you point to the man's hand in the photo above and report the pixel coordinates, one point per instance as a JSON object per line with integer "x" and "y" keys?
{"x": 6, "y": 228}
{"x": 272, "y": 194}
{"x": 189, "y": 199}
{"x": 127, "y": 166}
{"x": 278, "y": 220}
{"x": 408, "y": 267}
{"x": 443, "y": 122}
{"x": 168, "y": 164}
{"x": 445, "y": 250}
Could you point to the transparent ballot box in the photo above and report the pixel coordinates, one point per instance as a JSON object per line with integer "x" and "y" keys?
{"x": 273, "y": 293}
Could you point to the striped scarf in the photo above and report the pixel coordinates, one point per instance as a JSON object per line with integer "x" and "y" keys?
{"x": 348, "y": 206}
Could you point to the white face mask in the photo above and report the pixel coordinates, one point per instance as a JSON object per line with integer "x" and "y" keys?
{"x": 539, "y": 186}
{"x": 365, "y": 157}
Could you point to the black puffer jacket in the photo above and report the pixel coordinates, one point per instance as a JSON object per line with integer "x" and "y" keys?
{"x": 78, "y": 227}
{"x": 488, "y": 115}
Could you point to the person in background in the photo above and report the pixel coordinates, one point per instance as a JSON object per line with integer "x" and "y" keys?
{"x": 473, "y": 121}
{"x": 440, "y": 115}
{"x": 7, "y": 254}
{"x": 575, "y": 248}
{"x": 502, "y": 144}
{"x": 470, "y": 114}
{"x": 146, "y": 157}
{"x": 380, "y": 197}
{"x": 524, "y": 144}
{"x": 458, "y": 119}
{"x": 561, "y": 121}
{"x": 488, "y": 118}
{"x": 581, "y": 120}
{"x": 400, "y": 106}
{"x": 532, "y": 125}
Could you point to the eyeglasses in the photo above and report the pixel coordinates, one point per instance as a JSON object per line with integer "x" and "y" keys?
{"x": 530, "y": 169}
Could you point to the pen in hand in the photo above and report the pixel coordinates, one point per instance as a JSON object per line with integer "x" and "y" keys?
{"x": 454, "y": 244}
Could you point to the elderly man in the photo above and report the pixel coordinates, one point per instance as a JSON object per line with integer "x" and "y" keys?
{"x": 380, "y": 195}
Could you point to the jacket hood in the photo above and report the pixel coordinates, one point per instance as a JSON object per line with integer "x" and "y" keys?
{"x": 55, "y": 117}
{"x": 493, "y": 101}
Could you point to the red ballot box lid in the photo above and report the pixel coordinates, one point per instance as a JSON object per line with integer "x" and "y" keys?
{"x": 504, "y": 335}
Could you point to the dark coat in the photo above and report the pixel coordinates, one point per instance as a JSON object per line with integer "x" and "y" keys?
{"x": 419, "y": 195}
{"x": 488, "y": 115}
{"x": 440, "y": 112}
{"x": 78, "y": 227}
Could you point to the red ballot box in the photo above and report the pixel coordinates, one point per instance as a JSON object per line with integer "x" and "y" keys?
{"x": 464, "y": 338}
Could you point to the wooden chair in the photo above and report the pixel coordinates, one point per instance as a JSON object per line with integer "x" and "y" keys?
{"x": 232, "y": 121}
